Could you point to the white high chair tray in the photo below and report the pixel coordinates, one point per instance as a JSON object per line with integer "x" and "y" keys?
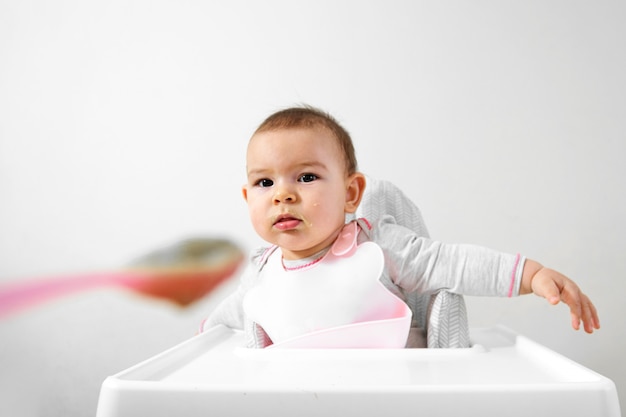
{"x": 502, "y": 374}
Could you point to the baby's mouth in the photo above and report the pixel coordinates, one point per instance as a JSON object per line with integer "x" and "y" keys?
{"x": 286, "y": 222}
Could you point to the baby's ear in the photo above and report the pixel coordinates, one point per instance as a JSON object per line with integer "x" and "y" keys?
{"x": 355, "y": 186}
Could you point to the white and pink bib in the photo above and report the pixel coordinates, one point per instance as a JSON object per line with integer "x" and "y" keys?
{"x": 337, "y": 301}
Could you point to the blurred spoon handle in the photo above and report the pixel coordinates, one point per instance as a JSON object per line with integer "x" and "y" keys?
{"x": 16, "y": 296}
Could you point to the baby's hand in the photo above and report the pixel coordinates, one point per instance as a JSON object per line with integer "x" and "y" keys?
{"x": 555, "y": 287}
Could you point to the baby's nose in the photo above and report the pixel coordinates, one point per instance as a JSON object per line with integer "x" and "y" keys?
{"x": 284, "y": 195}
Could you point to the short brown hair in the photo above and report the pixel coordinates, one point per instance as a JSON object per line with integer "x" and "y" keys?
{"x": 306, "y": 116}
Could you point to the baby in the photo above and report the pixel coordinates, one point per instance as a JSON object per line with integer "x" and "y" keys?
{"x": 302, "y": 182}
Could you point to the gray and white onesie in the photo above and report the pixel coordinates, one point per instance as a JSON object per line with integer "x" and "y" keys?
{"x": 413, "y": 263}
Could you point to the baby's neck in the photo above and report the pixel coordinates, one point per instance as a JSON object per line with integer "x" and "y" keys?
{"x": 292, "y": 264}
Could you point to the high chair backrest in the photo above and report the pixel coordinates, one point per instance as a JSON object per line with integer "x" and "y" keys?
{"x": 443, "y": 315}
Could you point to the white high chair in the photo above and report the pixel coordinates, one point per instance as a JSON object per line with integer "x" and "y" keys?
{"x": 442, "y": 316}
{"x": 501, "y": 373}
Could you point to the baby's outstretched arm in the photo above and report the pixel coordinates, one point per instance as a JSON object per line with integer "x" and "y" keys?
{"x": 555, "y": 287}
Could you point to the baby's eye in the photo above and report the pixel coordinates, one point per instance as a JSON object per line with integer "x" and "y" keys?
{"x": 307, "y": 178}
{"x": 264, "y": 183}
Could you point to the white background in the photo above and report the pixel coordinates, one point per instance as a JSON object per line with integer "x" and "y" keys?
{"x": 123, "y": 126}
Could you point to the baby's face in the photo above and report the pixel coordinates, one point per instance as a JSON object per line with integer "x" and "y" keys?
{"x": 296, "y": 189}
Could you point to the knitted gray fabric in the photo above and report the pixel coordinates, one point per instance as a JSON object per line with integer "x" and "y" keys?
{"x": 443, "y": 315}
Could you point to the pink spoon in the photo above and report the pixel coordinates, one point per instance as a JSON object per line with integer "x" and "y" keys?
{"x": 181, "y": 273}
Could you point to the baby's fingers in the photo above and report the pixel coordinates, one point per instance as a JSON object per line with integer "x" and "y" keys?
{"x": 581, "y": 309}
{"x": 556, "y": 287}
{"x": 590, "y": 315}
